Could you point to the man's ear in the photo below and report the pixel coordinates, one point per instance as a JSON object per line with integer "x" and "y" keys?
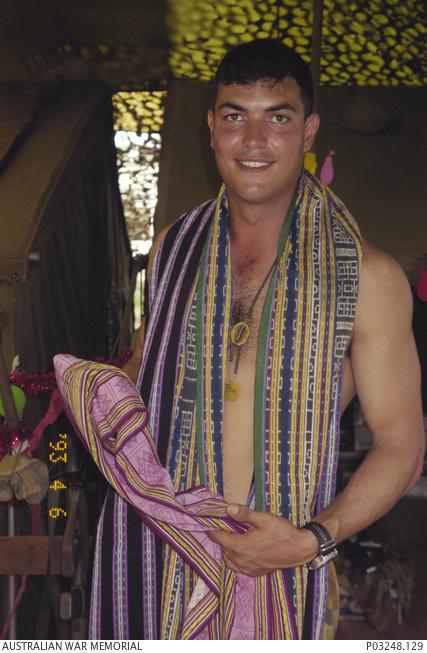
{"x": 311, "y": 126}
{"x": 210, "y": 124}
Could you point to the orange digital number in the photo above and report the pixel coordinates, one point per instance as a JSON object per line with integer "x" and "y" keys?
{"x": 54, "y": 513}
{"x": 58, "y": 446}
{"x": 58, "y": 485}
{"x": 58, "y": 455}
{"x": 54, "y": 458}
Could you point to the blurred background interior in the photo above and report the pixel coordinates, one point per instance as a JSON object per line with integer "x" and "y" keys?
{"x": 103, "y": 141}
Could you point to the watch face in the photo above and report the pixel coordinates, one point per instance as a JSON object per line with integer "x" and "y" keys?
{"x": 317, "y": 563}
{"x": 322, "y": 560}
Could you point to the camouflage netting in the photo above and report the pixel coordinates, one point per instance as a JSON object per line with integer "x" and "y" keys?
{"x": 142, "y": 67}
{"x": 373, "y": 43}
{"x": 138, "y": 118}
{"x": 378, "y": 42}
{"x": 139, "y": 112}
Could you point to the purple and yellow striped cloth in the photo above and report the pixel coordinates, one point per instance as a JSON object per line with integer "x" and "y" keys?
{"x": 112, "y": 421}
{"x": 142, "y": 589}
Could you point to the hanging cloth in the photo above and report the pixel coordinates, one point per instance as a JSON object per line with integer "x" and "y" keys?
{"x": 305, "y": 330}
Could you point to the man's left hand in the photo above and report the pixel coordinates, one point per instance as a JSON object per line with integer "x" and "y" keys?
{"x": 270, "y": 543}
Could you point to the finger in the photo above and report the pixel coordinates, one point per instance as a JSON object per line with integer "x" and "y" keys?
{"x": 248, "y": 570}
{"x": 229, "y": 563}
{"x": 244, "y": 514}
{"x": 221, "y": 537}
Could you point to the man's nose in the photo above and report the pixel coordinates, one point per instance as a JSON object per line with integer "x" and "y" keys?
{"x": 255, "y": 133}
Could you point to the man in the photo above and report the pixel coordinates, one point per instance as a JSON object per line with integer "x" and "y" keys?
{"x": 265, "y": 316}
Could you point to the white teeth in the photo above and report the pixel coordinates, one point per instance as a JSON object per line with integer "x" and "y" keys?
{"x": 254, "y": 164}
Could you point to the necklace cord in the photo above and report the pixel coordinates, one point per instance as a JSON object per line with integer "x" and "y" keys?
{"x": 244, "y": 324}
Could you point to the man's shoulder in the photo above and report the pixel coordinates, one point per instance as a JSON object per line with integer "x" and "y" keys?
{"x": 156, "y": 246}
{"x": 378, "y": 267}
{"x": 335, "y": 209}
{"x": 172, "y": 230}
{"x": 384, "y": 292}
{"x": 186, "y": 220}
{"x": 194, "y": 216}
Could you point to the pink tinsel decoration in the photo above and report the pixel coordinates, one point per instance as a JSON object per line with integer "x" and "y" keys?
{"x": 327, "y": 171}
{"x": 37, "y": 383}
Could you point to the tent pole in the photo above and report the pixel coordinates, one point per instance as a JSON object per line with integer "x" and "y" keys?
{"x": 11, "y": 586}
{"x": 316, "y": 49}
{"x": 12, "y": 422}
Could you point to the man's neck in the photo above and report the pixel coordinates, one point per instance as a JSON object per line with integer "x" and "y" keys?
{"x": 256, "y": 227}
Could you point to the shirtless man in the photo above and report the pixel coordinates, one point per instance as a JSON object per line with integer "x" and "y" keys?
{"x": 259, "y": 134}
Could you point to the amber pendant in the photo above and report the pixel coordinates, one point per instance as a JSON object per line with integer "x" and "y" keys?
{"x": 240, "y": 334}
{"x": 231, "y": 391}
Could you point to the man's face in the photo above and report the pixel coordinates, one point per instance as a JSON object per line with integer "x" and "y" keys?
{"x": 259, "y": 136}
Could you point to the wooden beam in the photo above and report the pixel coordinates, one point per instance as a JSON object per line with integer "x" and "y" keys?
{"x": 27, "y": 554}
{"x": 316, "y": 50}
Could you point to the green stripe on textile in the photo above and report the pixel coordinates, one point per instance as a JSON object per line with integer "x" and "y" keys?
{"x": 200, "y": 355}
{"x": 264, "y": 330}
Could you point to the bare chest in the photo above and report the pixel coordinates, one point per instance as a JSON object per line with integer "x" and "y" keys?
{"x": 250, "y": 283}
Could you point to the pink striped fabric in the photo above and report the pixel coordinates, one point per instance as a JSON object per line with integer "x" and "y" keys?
{"x": 112, "y": 421}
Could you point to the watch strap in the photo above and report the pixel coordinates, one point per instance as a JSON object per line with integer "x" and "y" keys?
{"x": 323, "y": 536}
{"x": 327, "y": 545}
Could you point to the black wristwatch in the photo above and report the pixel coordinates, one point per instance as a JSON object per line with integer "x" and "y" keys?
{"x": 327, "y": 545}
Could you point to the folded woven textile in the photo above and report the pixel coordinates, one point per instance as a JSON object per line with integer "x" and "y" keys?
{"x": 110, "y": 417}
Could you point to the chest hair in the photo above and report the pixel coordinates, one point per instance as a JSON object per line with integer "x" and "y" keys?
{"x": 248, "y": 276}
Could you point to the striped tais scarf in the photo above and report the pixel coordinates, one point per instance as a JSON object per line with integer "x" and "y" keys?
{"x": 305, "y": 330}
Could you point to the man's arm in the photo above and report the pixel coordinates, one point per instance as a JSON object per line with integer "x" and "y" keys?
{"x": 131, "y": 367}
{"x": 387, "y": 378}
{"x": 386, "y": 373}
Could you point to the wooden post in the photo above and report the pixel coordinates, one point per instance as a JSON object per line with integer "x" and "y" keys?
{"x": 316, "y": 49}
{"x": 11, "y": 580}
{"x": 12, "y": 422}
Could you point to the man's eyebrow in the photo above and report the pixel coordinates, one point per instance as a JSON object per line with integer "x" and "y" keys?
{"x": 276, "y": 107}
{"x": 230, "y": 105}
{"x": 280, "y": 107}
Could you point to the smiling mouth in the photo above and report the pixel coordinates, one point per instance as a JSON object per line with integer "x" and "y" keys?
{"x": 254, "y": 165}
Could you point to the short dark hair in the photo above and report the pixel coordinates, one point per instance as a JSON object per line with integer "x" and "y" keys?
{"x": 268, "y": 59}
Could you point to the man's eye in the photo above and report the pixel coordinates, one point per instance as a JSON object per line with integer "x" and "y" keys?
{"x": 279, "y": 119}
{"x": 233, "y": 117}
